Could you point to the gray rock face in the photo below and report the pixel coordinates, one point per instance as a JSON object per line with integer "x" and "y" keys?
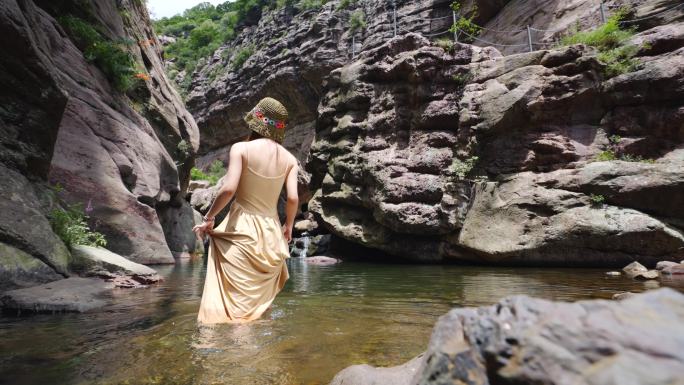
{"x": 67, "y": 295}
{"x": 436, "y": 155}
{"x": 25, "y": 228}
{"x": 32, "y": 106}
{"x": 553, "y": 19}
{"x": 20, "y": 269}
{"x": 524, "y": 340}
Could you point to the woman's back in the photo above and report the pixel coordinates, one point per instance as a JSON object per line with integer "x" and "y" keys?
{"x": 265, "y": 165}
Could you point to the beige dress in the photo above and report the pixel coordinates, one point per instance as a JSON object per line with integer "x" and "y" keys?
{"x": 247, "y": 253}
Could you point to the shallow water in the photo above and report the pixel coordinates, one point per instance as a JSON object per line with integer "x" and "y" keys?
{"x": 326, "y": 318}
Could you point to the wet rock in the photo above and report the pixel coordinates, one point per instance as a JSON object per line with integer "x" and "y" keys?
{"x": 663, "y": 264}
{"x": 97, "y": 261}
{"x": 305, "y": 226}
{"x": 366, "y": 374}
{"x": 319, "y": 245}
{"x": 322, "y": 260}
{"x": 623, "y": 296}
{"x": 613, "y": 273}
{"x": 524, "y": 340}
{"x": 67, "y": 295}
{"x": 673, "y": 270}
{"x": 650, "y": 274}
{"x": 634, "y": 268}
{"x": 177, "y": 222}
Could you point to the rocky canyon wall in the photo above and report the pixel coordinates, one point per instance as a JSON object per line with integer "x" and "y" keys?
{"x": 434, "y": 152}
{"x": 124, "y": 155}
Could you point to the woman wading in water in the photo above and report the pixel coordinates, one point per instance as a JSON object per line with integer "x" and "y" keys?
{"x": 247, "y": 251}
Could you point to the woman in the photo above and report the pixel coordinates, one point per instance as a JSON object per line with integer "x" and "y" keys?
{"x": 247, "y": 250}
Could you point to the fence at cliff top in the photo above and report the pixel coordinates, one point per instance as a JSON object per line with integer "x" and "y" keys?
{"x": 395, "y": 17}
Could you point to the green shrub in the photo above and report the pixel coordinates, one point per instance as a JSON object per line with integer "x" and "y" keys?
{"x": 110, "y": 57}
{"x": 197, "y": 174}
{"x": 610, "y": 155}
{"x": 607, "y": 36}
{"x": 465, "y": 23}
{"x": 241, "y": 57}
{"x": 445, "y": 43}
{"x": 72, "y": 227}
{"x": 597, "y": 199}
{"x": 285, "y": 3}
{"x": 461, "y": 168}
{"x": 345, "y": 4}
{"x": 615, "y": 139}
{"x": 357, "y": 21}
{"x": 635, "y": 158}
{"x": 463, "y": 79}
{"x": 216, "y": 172}
{"x": 609, "y": 39}
{"x": 310, "y": 4}
{"x": 606, "y": 156}
{"x": 619, "y": 60}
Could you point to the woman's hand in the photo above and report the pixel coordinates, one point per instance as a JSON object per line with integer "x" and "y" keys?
{"x": 205, "y": 228}
{"x": 287, "y": 233}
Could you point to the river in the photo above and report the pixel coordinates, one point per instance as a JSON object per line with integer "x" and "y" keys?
{"x": 326, "y": 318}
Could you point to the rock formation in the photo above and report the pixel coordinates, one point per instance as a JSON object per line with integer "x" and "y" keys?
{"x": 462, "y": 153}
{"x": 524, "y": 340}
{"x": 125, "y": 155}
{"x": 468, "y": 154}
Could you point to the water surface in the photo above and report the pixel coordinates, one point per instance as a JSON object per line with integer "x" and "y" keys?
{"x": 326, "y": 319}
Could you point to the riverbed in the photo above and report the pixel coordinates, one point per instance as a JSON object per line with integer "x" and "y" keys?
{"x": 326, "y": 318}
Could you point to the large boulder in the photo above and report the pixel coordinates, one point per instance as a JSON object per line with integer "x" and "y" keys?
{"x": 25, "y": 229}
{"x": 525, "y": 340}
{"x": 67, "y": 295}
{"x": 516, "y": 220}
{"x": 88, "y": 260}
{"x": 20, "y": 269}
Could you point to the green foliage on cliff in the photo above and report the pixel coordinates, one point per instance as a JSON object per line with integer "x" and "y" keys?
{"x": 461, "y": 168}
{"x": 344, "y": 4}
{"x": 465, "y": 25}
{"x": 357, "y": 21}
{"x": 110, "y": 57}
{"x": 71, "y": 226}
{"x": 200, "y": 30}
{"x": 241, "y": 57}
{"x": 597, "y": 200}
{"x": 609, "y": 39}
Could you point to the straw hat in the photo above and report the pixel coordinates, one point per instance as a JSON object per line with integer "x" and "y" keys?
{"x": 268, "y": 118}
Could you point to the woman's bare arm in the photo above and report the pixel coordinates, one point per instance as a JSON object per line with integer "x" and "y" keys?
{"x": 292, "y": 201}
{"x": 227, "y": 189}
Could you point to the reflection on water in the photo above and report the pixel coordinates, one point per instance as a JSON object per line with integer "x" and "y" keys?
{"x": 327, "y": 318}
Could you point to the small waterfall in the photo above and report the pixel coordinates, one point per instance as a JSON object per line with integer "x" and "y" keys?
{"x": 306, "y": 240}
{"x": 301, "y": 246}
